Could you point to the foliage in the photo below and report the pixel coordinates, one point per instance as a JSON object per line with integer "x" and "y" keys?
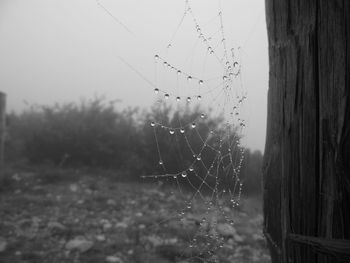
{"x": 97, "y": 134}
{"x": 90, "y": 134}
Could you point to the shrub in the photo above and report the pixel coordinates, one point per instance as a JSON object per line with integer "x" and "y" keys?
{"x": 91, "y": 133}
{"x": 96, "y": 134}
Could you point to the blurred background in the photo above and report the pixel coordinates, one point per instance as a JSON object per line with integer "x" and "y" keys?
{"x": 79, "y": 145}
{"x": 73, "y": 190}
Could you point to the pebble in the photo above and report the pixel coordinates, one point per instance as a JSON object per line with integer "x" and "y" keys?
{"x": 226, "y": 230}
{"x": 113, "y": 259}
{"x": 3, "y": 244}
{"x": 101, "y": 238}
{"x": 73, "y": 187}
{"x": 121, "y": 225}
{"x": 79, "y": 244}
{"x": 16, "y": 177}
{"x": 106, "y": 224}
{"x": 111, "y": 202}
{"x": 56, "y": 225}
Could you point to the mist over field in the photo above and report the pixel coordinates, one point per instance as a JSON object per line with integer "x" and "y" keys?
{"x": 132, "y": 131}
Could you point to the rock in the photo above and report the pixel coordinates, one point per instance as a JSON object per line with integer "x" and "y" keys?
{"x": 231, "y": 241}
{"x": 56, "y": 225}
{"x": 139, "y": 214}
{"x": 111, "y": 202}
{"x": 171, "y": 241}
{"x": 156, "y": 192}
{"x": 238, "y": 238}
{"x": 227, "y": 209}
{"x": 88, "y": 191}
{"x": 3, "y": 244}
{"x": 155, "y": 240}
{"x": 171, "y": 198}
{"x": 195, "y": 218}
{"x": 56, "y": 228}
{"x": 258, "y": 237}
{"x": 28, "y": 227}
{"x": 16, "y": 177}
{"x": 79, "y": 244}
{"x": 73, "y": 187}
{"x": 121, "y": 225}
{"x": 100, "y": 238}
{"x": 226, "y": 230}
{"x": 106, "y": 224}
{"x": 113, "y": 259}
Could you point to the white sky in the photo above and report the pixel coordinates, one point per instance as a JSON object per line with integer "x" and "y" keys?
{"x": 63, "y": 50}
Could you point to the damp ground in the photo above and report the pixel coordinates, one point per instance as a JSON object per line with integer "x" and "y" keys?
{"x": 79, "y": 216}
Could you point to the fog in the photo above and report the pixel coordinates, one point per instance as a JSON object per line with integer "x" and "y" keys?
{"x": 56, "y": 51}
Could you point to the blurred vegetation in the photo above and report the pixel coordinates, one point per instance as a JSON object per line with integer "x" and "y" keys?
{"x": 96, "y": 134}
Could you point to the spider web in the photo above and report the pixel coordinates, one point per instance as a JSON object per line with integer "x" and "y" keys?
{"x": 205, "y": 86}
{"x": 223, "y": 92}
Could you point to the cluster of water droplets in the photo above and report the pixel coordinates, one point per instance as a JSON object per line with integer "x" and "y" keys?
{"x": 223, "y": 93}
{"x": 184, "y": 89}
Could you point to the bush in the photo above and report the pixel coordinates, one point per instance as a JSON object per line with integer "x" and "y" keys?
{"x": 95, "y": 134}
{"x": 91, "y": 133}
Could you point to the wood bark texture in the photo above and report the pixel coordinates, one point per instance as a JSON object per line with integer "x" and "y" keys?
{"x": 2, "y": 133}
{"x": 307, "y": 155}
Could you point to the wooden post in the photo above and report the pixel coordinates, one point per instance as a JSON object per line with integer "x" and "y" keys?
{"x": 307, "y": 154}
{"x": 2, "y": 133}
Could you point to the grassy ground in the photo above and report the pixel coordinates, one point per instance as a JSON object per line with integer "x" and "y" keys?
{"x": 65, "y": 216}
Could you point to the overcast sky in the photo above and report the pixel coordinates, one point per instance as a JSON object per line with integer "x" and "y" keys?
{"x": 63, "y": 50}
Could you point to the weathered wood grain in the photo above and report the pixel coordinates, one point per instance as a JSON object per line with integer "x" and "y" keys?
{"x": 307, "y": 154}
{"x": 2, "y": 132}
